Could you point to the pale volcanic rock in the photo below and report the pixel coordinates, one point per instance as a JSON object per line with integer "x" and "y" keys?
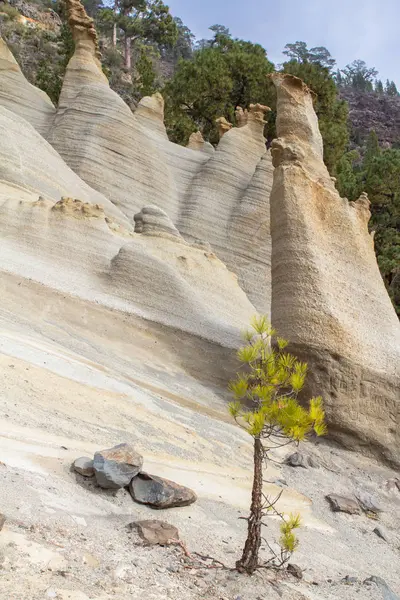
{"x": 27, "y": 160}
{"x": 328, "y": 296}
{"x": 197, "y": 142}
{"x": 250, "y": 238}
{"x": 21, "y": 97}
{"x": 228, "y": 206}
{"x": 153, "y": 221}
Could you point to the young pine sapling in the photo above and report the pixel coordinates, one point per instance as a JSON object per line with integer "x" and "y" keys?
{"x": 267, "y": 407}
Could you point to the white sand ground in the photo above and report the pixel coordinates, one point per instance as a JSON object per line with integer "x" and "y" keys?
{"x": 75, "y": 377}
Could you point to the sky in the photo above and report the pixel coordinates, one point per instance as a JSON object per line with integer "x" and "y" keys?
{"x": 350, "y": 29}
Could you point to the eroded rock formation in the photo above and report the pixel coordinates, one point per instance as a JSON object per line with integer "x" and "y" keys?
{"x": 97, "y": 204}
{"x": 328, "y": 296}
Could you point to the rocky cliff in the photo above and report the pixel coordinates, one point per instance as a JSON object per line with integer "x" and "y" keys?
{"x": 96, "y": 204}
{"x": 370, "y": 111}
{"x": 327, "y": 293}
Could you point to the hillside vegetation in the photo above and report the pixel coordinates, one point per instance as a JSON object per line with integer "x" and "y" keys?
{"x": 146, "y": 49}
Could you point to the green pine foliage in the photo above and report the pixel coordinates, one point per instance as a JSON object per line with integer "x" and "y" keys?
{"x": 219, "y": 77}
{"x": 267, "y": 407}
{"x": 266, "y": 393}
{"x": 50, "y": 73}
{"x": 377, "y": 173}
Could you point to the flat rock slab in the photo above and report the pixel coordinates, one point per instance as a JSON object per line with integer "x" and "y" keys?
{"x": 156, "y": 532}
{"x": 115, "y": 467}
{"x": 84, "y": 466}
{"x": 343, "y": 504}
{"x": 160, "y": 493}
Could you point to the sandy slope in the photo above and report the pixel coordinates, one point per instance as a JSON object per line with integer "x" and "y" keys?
{"x": 76, "y": 377}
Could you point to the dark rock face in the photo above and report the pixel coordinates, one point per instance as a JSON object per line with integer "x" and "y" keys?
{"x": 156, "y": 532}
{"x": 115, "y": 467}
{"x": 160, "y": 493}
{"x": 2, "y": 521}
{"x": 369, "y": 110}
{"x": 343, "y": 504}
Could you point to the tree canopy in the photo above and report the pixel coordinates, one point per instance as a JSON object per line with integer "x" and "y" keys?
{"x": 378, "y": 173}
{"x": 318, "y": 55}
{"x": 220, "y": 76}
{"x": 358, "y": 75}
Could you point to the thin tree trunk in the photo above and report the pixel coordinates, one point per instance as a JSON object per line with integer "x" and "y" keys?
{"x": 249, "y": 561}
{"x": 114, "y": 34}
{"x": 128, "y": 62}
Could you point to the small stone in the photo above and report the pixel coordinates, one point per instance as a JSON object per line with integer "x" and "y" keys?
{"x": 160, "y": 493}
{"x": 312, "y": 462}
{"x": 161, "y": 570}
{"x": 115, "y": 467}
{"x": 79, "y": 520}
{"x": 51, "y": 593}
{"x": 393, "y": 485}
{"x": 173, "y": 569}
{"x": 90, "y": 560}
{"x": 280, "y": 482}
{"x": 2, "y": 521}
{"x": 368, "y": 502}
{"x": 123, "y": 571}
{"x": 380, "y": 532}
{"x": 84, "y": 466}
{"x": 156, "y": 532}
{"x": 295, "y": 570}
{"x": 343, "y": 504}
{"x": 296, "y": 460}
{"x": 349, "y": 580}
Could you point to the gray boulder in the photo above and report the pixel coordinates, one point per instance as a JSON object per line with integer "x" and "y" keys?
{"x": 296, "y": 460}
{"x": 160, "y": 493}
{"x": 115, "y": 467}
{"x": 383, "y": 586}
{"x": 343, "y": 504}
{"x": 155, "y": 532}
{"x": 84, "y": 466}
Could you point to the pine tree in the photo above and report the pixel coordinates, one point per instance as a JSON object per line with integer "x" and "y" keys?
{"x": 372, "y": 149}
{"x": 379, "y": 87}
{"x": 359, "y": 76}
{"x": 267, "y": 408}
{"x": 226, "y": 74}
{"x": 391, "y": 89}
{"x": 139, "y": 21}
